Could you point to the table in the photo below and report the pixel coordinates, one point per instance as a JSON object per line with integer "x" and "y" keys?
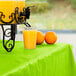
{"x": 75, "y": 70}
{"x": 45, "y": 60}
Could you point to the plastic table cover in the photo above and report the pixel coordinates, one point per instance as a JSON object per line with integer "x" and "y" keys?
{"x": 45, "y": 60}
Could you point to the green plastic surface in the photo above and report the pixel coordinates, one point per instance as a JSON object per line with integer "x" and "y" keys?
{"x": 45, "y": 60}
{"x": 75, "y": 70}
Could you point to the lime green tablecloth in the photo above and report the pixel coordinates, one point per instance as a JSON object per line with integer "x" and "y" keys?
{"x": 45, "y": 60}
{"x": 75, "y": 70}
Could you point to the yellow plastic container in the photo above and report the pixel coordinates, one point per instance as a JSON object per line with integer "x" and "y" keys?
{"x": 30, "y": 37}
{"x": 8, "y": 7}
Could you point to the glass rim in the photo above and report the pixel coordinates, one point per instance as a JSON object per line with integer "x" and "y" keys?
{"x": 30, "y": 28}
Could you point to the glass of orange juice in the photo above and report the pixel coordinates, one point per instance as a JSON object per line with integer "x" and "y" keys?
{"x": 30, "y": 36}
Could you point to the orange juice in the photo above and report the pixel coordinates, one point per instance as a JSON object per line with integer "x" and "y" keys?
{"x": 8, "y": 7}
{"x": 29, "y": 39}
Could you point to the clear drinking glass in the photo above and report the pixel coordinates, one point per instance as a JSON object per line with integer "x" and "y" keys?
{"x": 29, "y": 36}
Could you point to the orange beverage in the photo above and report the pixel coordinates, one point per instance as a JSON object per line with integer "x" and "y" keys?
{"x": 30, "y": 37}
{"x": 8, "y": 7}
